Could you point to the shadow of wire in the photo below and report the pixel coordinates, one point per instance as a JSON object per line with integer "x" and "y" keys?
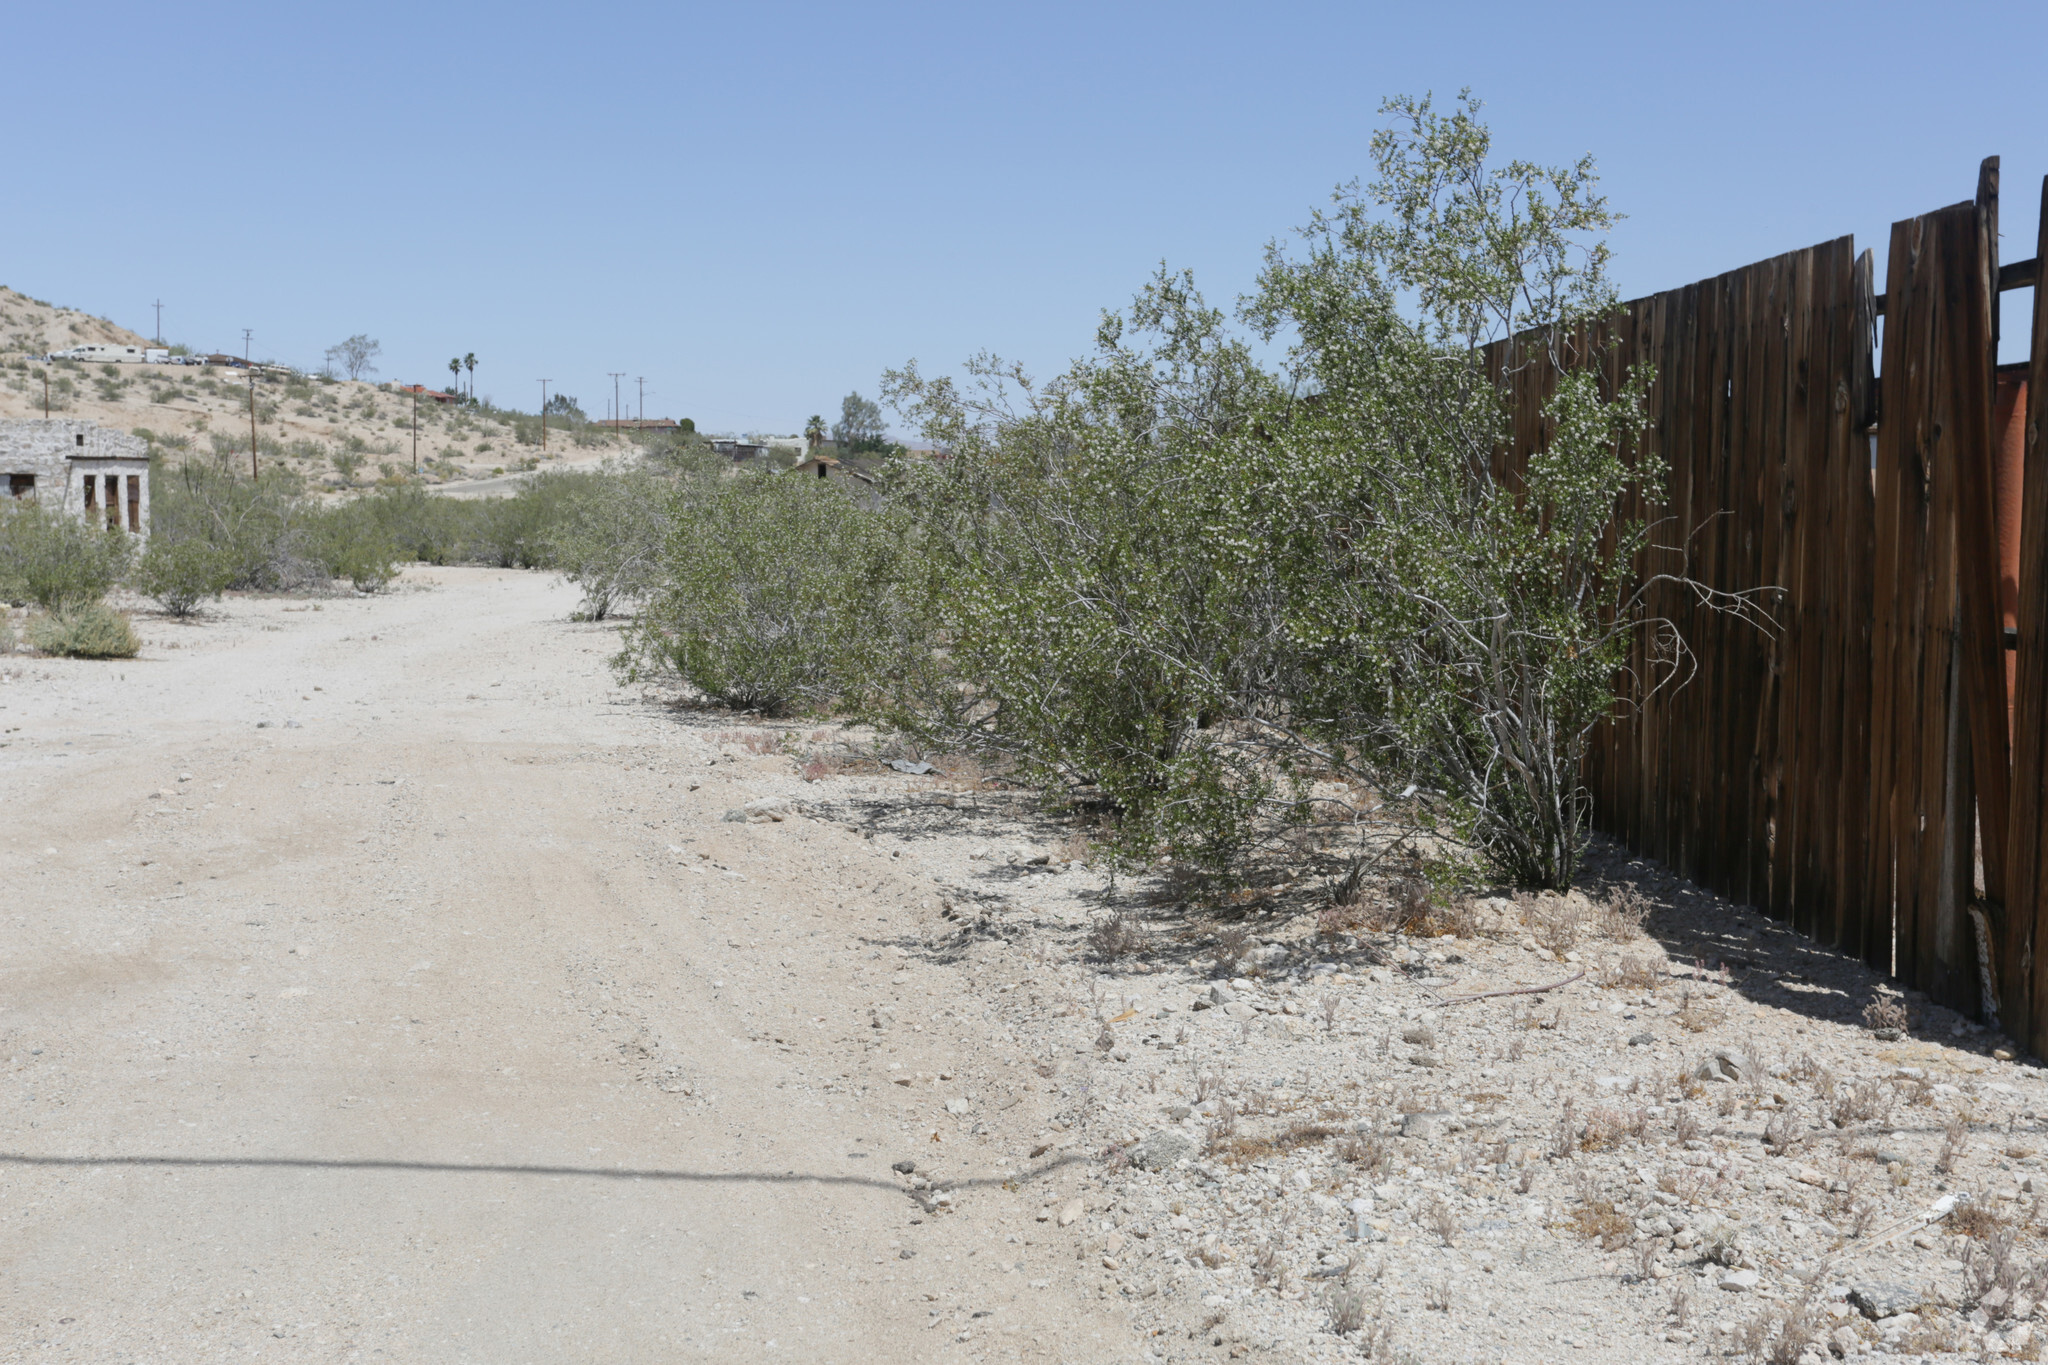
{"x": 503, "y": 1168}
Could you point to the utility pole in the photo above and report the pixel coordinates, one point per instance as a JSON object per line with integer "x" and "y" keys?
{"x": 616, "y": 375}
{"x": 642, "y": 382}
{"x": 416, "y": 431}
{"x": 544, "y": 417}
{"x": 253, "y": 475}
{"x": 159, "y": 322}
{"x": 245, "y": 344}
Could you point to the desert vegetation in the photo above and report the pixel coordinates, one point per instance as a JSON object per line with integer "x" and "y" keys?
{"x": 1227, "y": 580}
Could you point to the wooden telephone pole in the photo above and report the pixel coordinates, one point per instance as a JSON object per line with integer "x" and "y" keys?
{"x": 616, "y": 375}
{"x": 416, "y": 431}
{"x": 253, "y": 475}
{"x": 544, "y": 416}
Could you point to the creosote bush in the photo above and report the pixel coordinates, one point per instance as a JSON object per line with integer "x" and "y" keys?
{"x": 775, "y": 594}
{"x": 90, "y": 630}
{"x": 56, "y": 561}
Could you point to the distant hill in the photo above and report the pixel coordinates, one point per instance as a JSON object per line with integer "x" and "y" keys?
{"x": 38, "y": 328}
{"x": 336, "y": 432}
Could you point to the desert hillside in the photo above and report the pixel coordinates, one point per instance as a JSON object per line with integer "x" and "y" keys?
{"x": 336, "y": 432}
{"x": 33, "y": 326}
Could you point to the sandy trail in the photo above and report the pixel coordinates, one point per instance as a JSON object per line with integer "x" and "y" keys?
{"x": 379, "y": 981}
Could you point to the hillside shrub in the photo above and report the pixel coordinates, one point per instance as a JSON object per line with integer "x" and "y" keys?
{"x": 89, "y": 630}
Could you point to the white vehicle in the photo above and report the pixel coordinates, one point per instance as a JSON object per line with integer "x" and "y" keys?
{"x": 105, "y": 351}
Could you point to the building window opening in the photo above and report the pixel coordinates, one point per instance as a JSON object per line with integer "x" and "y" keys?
{"x": 92, "y": 491}
{"x": 113, "y": 502}
{"x": 21, "y": 486}
{"x": 135, "y": 503}
{"x": 79, "y": 438}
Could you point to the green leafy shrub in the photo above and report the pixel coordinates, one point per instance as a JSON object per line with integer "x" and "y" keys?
{"x": 1191, "y": 583}
{"x": 608, "y": 540}
{"x": 91, "y": 630}
{"x": 259, "y": 528}
{"x": 180, "y": 574}
{"x": 55, "y": 560}
{"x": 775, "y": 594}
{"x": 351, "y": 542}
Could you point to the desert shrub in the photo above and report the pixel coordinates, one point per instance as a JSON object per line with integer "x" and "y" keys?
{"x": 421, "y": 526}
{"x": 261, "y": 529}
{"x": 774, "y": 593}
{"x": 87, "y": 630}
{"x": 608, "y": 541}
{"x": 1188, "y": 580}
{"x": 515, "y": 532}
{"x": 351, "y": 542}
{"x": 7, "y": 637}
{"x": 57, "y": 561}
{"x": 180, "y": 574}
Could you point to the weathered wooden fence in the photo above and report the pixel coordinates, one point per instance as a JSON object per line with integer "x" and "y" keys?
{"x": 1874, "y": 770}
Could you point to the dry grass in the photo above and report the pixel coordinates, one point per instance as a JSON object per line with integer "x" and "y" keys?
{"x": 1621, "y": 915}
{"x": 1117, "y": 935}
{"x": 1597, "y": 1220}
{"x": 1241, "y": 1151}
{"x": 1886, "y": 1012}
{"x": 1347, "y": 1309}
{"x": 1558, "y": 922}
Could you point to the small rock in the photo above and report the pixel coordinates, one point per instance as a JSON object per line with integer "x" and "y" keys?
{"x": 1877, "y": 1299}
{"x": 1069, "y": 1212}
{"x": 1739, "y": 1281}
{"x": 1644, "y": 1039}
{"x": 1178, "y": 1112}
{"x": 903, "y": 1167}
{"x": 1160, "y": 1150}
{"x": 1723, "y": 1065}
{"x": 1220, "y": 994}
{"x": 1431, "y": 1123}
{"x": 957, "y": 1105}
{"x": 1428, "y": 1060}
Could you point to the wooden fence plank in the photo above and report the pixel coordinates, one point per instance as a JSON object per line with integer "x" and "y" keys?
{"x": 2026, "y": 872}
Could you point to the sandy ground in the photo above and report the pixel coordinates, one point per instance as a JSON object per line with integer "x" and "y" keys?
{"x": 379, "y": 981}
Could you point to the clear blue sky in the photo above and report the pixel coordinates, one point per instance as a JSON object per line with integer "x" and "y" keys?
{"x": 761, "y": 206}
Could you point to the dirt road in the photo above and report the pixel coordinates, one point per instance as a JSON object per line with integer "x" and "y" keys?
{"x": 380, "y": 981}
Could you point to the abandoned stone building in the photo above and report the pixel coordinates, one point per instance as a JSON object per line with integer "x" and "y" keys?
{"x": 78, "y": 467}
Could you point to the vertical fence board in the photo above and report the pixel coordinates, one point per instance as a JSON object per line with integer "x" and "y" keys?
{"x": 2026, "y": 872}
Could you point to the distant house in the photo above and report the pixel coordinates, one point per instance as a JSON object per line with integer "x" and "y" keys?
{"x": 423, "y": 391}
{"x": 656, "y": 424}
{"x": 78, "y": 467}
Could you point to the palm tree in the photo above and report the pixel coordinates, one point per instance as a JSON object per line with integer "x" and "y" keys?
{"x": 814, "y": 432}
{"x": 469, "y": 363}
{"x": 455, "y": 368}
